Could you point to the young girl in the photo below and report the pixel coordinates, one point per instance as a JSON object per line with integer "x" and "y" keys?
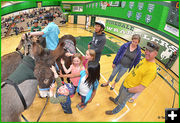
{"x": 90, "y": 56}
{"x": 88, "y": 83}
{"x": 76, "y": 67}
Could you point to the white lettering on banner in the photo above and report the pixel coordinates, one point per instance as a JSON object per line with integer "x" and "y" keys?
{"x": 119, "y": 31}
{"x": 109, "y": 28}
{"x": 120, "y": 25}
{"x": 155, "y": 39}
{"x": 122, "y": 32}
{"x": 173, "y": 48}
{"x": 129, "y": 32}
{"x": 115, "y": 30}
{"x": 146, "y": 37}
{"x": 164, "y": 43}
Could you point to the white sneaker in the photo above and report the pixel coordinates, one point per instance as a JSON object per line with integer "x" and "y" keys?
{"x": 131, "y": 100}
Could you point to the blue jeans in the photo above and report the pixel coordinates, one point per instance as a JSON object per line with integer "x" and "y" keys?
{"x": 83, "y": 98}
{"x": 120, "y": 70}
{"x": 67, "y": 106}
{"x": 122, "y": 98}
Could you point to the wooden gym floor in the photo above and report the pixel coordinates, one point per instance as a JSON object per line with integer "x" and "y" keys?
{"x": 148, "y": 107}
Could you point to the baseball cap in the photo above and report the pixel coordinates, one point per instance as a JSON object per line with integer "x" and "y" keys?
{"x": 35, "y": 21}
{"x": 70, "y": 87}
{"x": 151, "y": 46}
{"x": 101, "y": 23}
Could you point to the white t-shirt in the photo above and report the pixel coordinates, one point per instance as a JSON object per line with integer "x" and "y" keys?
{"x": 83, "y": 87}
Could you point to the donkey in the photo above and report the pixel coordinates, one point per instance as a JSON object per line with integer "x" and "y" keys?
{"x": 10, "y": 61}
{"x": 11, "y": 105}
{"x": 70, "y": 46}
{"x": 44, "y": 59}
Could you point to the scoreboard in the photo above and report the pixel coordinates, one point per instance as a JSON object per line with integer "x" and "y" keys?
{"x": 173, "y": 15}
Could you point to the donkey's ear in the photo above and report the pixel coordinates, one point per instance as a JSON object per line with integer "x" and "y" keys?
{"x": 17, "y": 49}
{"x": 62, "y": 44}
{"x": 26, "y": 35}
{"x": 31, "y": 36}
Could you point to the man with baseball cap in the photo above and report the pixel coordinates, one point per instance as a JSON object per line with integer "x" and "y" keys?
{"x": 99, "y": 39}
{"x": 138, "y": 79}
{"x": 35, "y": 28}
{"x": 50, "y": 32}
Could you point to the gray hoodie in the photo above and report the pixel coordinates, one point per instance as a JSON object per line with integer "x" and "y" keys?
{"x": 97, "y": 44}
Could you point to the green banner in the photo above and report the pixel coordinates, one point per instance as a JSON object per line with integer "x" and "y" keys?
{"x": 126, "y": 31}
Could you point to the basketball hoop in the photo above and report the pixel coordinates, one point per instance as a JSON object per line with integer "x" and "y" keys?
{"x": 104, "y": 5}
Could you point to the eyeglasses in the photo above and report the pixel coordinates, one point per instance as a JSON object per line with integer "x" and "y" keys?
{"x": 153, "y": 46}
{"x": 135, "y": 38}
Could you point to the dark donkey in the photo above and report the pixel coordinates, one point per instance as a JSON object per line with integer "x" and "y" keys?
{"x": 44, "y": 59}
{"x": 70, "y": 46}
{"x": 10, "y": 61}
{"x": 12, "y": 105}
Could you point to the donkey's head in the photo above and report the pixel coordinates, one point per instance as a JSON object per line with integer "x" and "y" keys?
{"x": 44, "y": 59}
{"x": 47, "y": 56}
{"x": 44, "y": 75}
{"x": 41, "y": 40}
{"x": 26, "y": 43}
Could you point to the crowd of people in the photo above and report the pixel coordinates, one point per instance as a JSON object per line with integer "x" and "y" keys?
{"x": 25, "y": 20}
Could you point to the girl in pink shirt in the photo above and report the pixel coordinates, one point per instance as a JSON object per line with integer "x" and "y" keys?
{"x": 90, "y": 56}
{"x": 76, "y": 67}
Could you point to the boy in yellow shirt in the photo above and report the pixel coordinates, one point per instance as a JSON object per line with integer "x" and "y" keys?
{"x": 139, "y": 78}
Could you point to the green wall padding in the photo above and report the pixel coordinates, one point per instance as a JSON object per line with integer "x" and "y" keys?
{"x": 51, "y": 3}
{"x": 18, "y": 7}
{"x": 27, "y": 5}
{"x": 158, "y": 21}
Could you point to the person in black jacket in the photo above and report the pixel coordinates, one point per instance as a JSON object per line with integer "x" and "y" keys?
{"x": 99, "y": 39}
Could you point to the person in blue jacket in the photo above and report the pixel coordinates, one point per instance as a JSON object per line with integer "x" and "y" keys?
{"x": 128, "y": 56}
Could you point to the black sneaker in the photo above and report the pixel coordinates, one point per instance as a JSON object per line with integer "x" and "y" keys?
{"x": 109, "y": 112}
{"x": 113, "y": 100}
{"x": 67, "y": 112}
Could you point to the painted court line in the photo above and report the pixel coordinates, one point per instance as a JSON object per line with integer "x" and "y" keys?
{"x": 128, "y": 109}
